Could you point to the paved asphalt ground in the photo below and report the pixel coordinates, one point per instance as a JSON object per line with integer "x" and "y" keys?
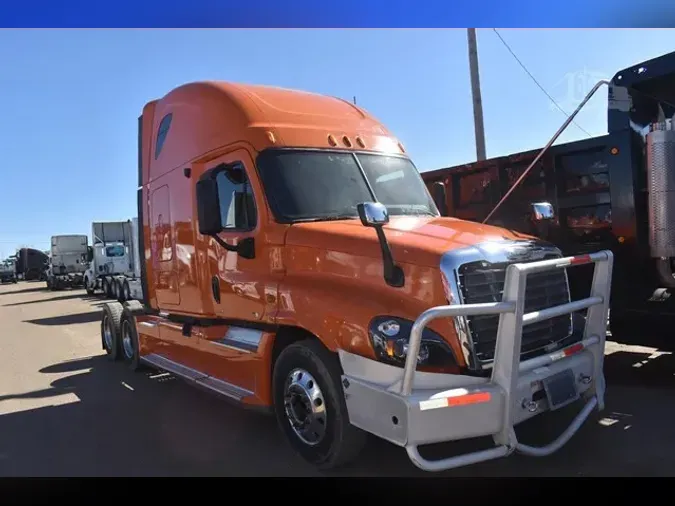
{"x": 65, "y": 410}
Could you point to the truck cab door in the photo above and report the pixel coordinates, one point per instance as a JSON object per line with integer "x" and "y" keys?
{"x": 238, "y": 285}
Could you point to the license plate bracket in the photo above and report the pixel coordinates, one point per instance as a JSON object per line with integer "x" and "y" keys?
{"x": 561, "y": 389}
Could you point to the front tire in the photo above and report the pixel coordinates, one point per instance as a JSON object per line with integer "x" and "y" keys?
{"x": 111, "y": 320}
{"x": 310, "y": 407}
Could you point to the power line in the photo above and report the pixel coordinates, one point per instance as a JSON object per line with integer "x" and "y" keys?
{"x": 537, "y": 82}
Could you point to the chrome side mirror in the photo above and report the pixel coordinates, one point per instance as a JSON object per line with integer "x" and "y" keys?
{"x": 372, "y": 214}
{"x": 542, "y": 211}
{"x": 375, "y": 215}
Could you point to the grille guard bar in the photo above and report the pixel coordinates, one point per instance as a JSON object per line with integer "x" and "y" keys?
{"x": 507, "y": 366}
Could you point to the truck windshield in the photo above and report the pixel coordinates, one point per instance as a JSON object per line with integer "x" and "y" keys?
{"x": 114, "y": 251}
{"x": 324, "y": 185}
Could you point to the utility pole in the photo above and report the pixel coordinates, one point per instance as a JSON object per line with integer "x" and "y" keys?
{"x": 475, "y": 94}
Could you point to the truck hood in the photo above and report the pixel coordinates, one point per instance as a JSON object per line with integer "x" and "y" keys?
{"x": 413, "y": 240}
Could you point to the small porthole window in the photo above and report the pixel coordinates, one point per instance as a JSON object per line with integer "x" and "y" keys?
{"x": 161, "y": 133}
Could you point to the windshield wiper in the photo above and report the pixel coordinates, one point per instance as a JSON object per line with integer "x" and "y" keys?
{"x": 329, "y": 217}
{"x": 411, "y": 211}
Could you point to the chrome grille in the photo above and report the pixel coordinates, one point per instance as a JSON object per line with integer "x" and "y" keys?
{"x": 481, "y": 282}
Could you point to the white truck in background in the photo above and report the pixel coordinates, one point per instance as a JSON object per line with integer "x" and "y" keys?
{"x": 67, "y": 261}
{"x": 8, "y": 271}
{"x": 114, "y": 266}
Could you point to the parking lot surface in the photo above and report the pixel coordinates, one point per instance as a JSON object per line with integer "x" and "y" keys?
{"x": 65, "y": 410}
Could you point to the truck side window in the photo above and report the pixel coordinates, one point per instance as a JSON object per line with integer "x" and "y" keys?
{"x": 237, "y": 205}
{"x": 162, "y": 132}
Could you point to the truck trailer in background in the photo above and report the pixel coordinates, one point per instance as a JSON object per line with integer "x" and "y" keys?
{"x": 612, "y": 192}
{"x": 113, "y": 260}
{"x": 67, "y": 261}
{"x": 127, "y": 285}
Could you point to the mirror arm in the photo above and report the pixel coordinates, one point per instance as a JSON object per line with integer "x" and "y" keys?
{"x": 245, "y": 247}
{"x": 393, "y": 274}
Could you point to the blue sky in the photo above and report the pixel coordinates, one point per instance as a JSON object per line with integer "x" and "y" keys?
{"x": 69, "y": 100}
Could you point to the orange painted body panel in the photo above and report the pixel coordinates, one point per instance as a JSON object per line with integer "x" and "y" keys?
{"x": 325, "y": 278}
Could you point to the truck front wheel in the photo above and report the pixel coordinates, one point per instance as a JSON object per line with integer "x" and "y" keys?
{"x": 310, "y": 406}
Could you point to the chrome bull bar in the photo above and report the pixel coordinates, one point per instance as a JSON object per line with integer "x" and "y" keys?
{"x": 507, "y": 364}
{"x": 507, "y": 367}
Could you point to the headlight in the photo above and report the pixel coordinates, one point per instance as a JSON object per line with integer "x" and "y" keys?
{"x": 389, "y": 336}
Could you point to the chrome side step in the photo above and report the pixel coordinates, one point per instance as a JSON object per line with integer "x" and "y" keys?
{"x": 197, "y": 377}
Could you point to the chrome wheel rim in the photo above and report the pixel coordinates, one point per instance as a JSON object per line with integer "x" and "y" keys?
{"x": 107, "y": 333}
{"x": 127, "y": 343}
{"x": 305, "y": 407}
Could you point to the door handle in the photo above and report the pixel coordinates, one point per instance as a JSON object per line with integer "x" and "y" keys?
{"x": 215, "y": 288}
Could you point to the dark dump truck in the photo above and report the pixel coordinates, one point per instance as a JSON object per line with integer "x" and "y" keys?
{"x": 615, "y": 192}
{"x": 31, "y": 264}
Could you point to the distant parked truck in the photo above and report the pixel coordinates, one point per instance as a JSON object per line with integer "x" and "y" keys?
{"x": 8, "y": 271}
{"x": 67, "y": 261}
{"x": 114, "y": 266}
{"x": 31, "y": 264}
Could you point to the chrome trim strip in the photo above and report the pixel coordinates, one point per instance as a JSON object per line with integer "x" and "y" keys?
{"x": 198, "y": 377}
{"x": 233, "y": 345}
{"x": 493, "y": 252}
{"x": 224, "y": 388}
{"x": 243, "y": 335}
{"x": 173, "y": 367}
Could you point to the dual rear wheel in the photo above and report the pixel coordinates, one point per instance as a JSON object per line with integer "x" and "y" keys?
{"x": 119, "y": 337}
{"x": 307, "y": 395}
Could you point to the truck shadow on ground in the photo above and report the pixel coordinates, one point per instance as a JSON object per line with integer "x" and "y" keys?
{"x": 41, "y": 288}
{"x": 68, "y": 319}
{"x": 640, "y": 367}
{"x": 98, "y": 418}
{"x": 68, "y": 296}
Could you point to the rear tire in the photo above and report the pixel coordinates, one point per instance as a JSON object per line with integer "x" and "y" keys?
{"x": 111, "y": 319}
{"x": 126, "y": 290}
{"x": 109, "y": 287}
{"x": 89, "y": 289}
{"x": 310, "y": 407}
{"x": 120, "y": 290}
{"x": 129, "y": 340}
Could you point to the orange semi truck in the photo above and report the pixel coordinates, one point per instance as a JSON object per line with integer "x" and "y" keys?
{"x": 295, "y": 262}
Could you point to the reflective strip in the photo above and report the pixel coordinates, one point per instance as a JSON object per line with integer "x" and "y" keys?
{"x": 457, "y": 400}
{"x": 571, "y": 350}
{"x": 578, "y": 260}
